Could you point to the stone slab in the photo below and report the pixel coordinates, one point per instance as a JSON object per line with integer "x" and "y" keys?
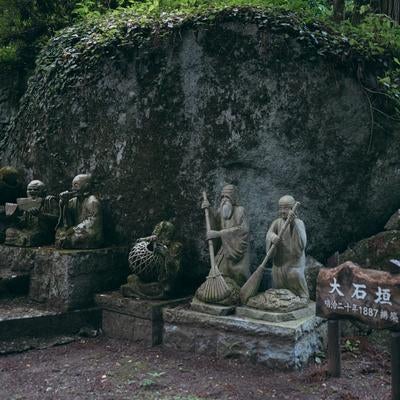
{"x": 212, "y": 309}
{"x": 134, "y": 319}
{"x": 20, "y": 317}
{"x": 278, "y": 345}
{"x": 248, "y": 312}
{"x": 69, "y": 279}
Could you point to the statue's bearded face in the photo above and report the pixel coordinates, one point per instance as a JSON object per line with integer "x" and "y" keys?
{"x": 226, "y": 207}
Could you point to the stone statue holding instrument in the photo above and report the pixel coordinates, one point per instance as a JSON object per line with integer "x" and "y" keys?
{"x": 155, "y": 262}
{"x": 81, "y": 219}
{"x": 285, "y": 242}
{"x": 34, "y": 218}
{"x": 231, "y": 265}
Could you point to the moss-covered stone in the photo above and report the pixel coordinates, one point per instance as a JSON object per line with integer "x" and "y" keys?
{"x": 157, "y": 111}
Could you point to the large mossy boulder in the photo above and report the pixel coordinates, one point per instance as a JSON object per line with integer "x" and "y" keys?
{"x": 375, "y": 252}
{"x": 159, "y": 111}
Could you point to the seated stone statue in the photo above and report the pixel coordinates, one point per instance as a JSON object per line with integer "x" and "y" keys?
{"x": 81, "y": 218}
{"x": 11, "y": 188}
{"x": 290, "y": 289}
{"x": 229, "y": 224}
{"x": 34, "y": 218}
{"x": 155, "y": 262}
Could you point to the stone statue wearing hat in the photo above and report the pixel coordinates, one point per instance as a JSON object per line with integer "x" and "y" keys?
{"x": 81, "y": 220}
{"x": 289, "y": 259}
{"x": 229, "y": 224}
{"x": 155, "y": 262}
{"x": 287, "y": 239}
{"x": 34, "y": 217}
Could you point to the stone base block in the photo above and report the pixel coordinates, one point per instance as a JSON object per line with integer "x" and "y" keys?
{"x": 17, "y": 259}
{"x": 20, "y": 317}
{"x": 279, "y": 345}
{"x": 69, "y": 279}
{"x": 253, "y": 313}
{"x": 133, "y": 319}
{"x": 213, "y": 309}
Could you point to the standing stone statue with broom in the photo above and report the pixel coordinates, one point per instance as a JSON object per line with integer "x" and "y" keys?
{"x": 285, "y": 242}
{"x": 230, "y": 267}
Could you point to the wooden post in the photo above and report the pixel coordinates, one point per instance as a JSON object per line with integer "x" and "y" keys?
{"x": 395, "y": 355}
{"x": 334, "y": 356}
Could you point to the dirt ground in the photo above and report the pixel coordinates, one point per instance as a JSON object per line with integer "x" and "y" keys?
{"x": 101, "y": 368}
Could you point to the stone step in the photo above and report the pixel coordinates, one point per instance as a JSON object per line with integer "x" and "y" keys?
{"x": 21, "y": 317}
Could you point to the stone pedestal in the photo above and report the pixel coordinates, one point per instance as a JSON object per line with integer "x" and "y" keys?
{"x": 22, "y": 318}
{"x": 134, "y": 319}
{"x": 279, "y": 345}
{"x": 213, "y": 309}
{"x": 271, "y": 316}
{"x": 69, "y": 279}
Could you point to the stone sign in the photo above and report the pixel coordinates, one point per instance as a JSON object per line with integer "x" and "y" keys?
{"x": 349, "y": 291}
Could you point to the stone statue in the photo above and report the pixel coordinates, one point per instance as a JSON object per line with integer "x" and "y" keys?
{"x": 34, "y": 218}
{"x": 155, "y": 262}
{"x": 11, "y": 188}
{"x": 229, "y": 224}
{"x": 288, "y": 262}
{"x": 81, "y": 217}
{"x": 289, "y": 258}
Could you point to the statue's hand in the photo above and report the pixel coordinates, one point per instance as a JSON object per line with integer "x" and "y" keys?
{"x": 205, "y": 204}
{"x": 64, "y": 197}
{"x": 213, "y": 234}
{"x": 275, "y": 239}
{"x": 291, "y": 216}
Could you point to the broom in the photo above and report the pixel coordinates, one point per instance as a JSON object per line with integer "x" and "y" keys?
{"x": 214, "y": 289}
{"x": 250, "y": 288}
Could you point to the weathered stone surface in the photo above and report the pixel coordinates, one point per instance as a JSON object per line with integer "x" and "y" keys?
{"x": 278, "y": 300}
{"x": 134, "y": 319}
{"x": 21, "y": 317}
{"x": 17, "y": 259}
{"x": 10, "y": 91}
{"x": 147, "y": 309}
{"x": 227, "y": 100}
{"x": 351, "y": 292}
{"x": 375, "y": 252}
{"x": 69, "y": 279}
{"x": 213, "y": 309}
{"x": 311, "y": 273}
{"x": 247, "y": 312}
{"x": 394, "y": 222}
{"x": 284, "y": 345}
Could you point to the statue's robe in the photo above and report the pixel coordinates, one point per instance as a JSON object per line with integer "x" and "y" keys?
{"x": 289, "y": 257}
{"x": 34, "y": 230}
{"x": 83, "y": 224}
{"x": 233, "y": 257}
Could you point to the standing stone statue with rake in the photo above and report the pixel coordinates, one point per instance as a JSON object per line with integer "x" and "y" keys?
{"x": 231, "y": 265}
